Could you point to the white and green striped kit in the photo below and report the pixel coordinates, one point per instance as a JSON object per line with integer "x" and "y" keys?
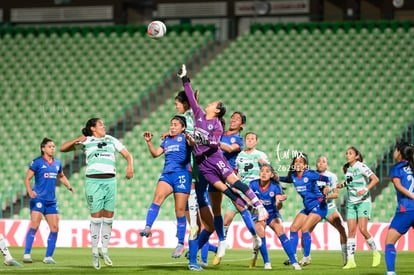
{"x": 100, "y": 154}
{"x": 247, "y": 165}
{"x": 360, "y": 174}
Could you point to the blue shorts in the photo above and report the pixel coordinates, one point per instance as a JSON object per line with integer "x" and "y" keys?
{"x": 272, "y": 215}
{"x": 179, "y": 181}
{"x": 44, "y": 207}
{"x": 321, "y": 210}
{"x": 201, "y": 188}
{"x": 402, "y": 222}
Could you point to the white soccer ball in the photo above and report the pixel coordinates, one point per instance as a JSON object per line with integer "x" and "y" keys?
{"x": 156, "y": 29}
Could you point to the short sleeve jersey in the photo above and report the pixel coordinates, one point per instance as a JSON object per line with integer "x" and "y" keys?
{"x": 100, "y": 154}
{"x": 247, "y": 165}
{"x": 403, "y": 171}
{"x": 45, "y": 177}
{"x": 230, "y": 140}
{"x": 268, "y": 195}
{"x": 358, "y": 178}
{"x": 177, "y": 154}
{"x": 308, "y": 188}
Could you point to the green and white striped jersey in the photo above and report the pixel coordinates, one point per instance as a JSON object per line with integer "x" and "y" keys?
{"x": 189, "y": 118}
{"x": 358, "y": 176}
{"x": 100, "y": 154}
{"x": 247, "y": 165}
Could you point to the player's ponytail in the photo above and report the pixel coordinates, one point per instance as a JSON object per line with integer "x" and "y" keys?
{"x": 222, "y": 111}
{"x": 43, "y": 144}
{"x": 87, "y": 131}
{"x": 359, "y": 155}
{"x": 407, "y": 153}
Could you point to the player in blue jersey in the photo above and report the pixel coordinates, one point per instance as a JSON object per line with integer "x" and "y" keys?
{"x": 268, "y": 190}
{"x": 100, "y": 182}
{"x": 231, "y": 144}
{"x": 46, "y": 169}
{"x": 175, "y": 177}
{"x": 359, "y": 181}
{"x": 211, "y": 162}
{"x": 314, "y": 201}
{"x": 402, "y": 177}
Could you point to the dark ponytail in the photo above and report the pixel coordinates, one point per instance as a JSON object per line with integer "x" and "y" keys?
{"x": 407, "y": 151}
{"x": 358, "y": 153}
{"x": 220, "y": 115}
{"x": 87, "y": 132}
{"x": 43, "y": 144}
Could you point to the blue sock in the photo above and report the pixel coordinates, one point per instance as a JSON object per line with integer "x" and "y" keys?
{"x": 218, "y": 225}
{"x": 284, "y": 240}
{"x": 203, "y": 238}
{"x": 390, "y": 256}
{"x": 152, "y": 214}
{"x": 204, "y": 252}
{"x": 51, "y": 243}
{"x": 294, "y": 241}
{"x": 29, "y": 240}
{"x": 181, "y": 227}
{"x": 263, "y": 251}
{"x": 247, "y": 218}
{"x": 193, "y": 248}
{"x": 307, "y": 242}
{"x": 212, "y": 248}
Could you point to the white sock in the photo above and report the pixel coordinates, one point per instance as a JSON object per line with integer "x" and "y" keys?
{"x": 106, "y": 233}
{"x": 226, "y": 229}
{"x": 192, "y": 206}
{"x": 95, "y": 229}
{"x": 351, "y": 246}
{"x": 371, "y": 244}
{"x": 4, "y": 249}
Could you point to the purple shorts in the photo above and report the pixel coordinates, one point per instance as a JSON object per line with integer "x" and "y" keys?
{"x": 215, "y": 168}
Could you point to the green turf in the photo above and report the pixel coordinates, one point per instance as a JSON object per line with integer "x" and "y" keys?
{"x": 159, "y": 261}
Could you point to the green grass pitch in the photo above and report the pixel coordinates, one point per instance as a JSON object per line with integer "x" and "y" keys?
{"x": 158, "y": 261}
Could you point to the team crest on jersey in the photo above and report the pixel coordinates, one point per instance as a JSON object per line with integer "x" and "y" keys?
{"x": 272, "y": 194}
{"x": 232, "y": 140}
{"x": 39, "y": 205}
{"x": 179, "y": 139}
{"x": 46, "y": 175}
{"x": 305, "y": 180}
{"x": 210, "y": 126}
{"x": 107, "y": 139}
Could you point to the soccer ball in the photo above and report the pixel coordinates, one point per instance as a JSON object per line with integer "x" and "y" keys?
{"x": 156, "y": 29}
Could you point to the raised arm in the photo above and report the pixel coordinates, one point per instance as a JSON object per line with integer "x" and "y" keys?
{"x": 69, "y": 145}
{"x": 155, "y": 152}
{"x": 182, "y": 73}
